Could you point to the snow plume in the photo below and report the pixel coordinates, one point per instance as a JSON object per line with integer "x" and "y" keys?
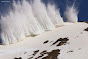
{"x": 28, "y": 19}
{"x": 71, "y": 14}
{"x": 54, "y": 14}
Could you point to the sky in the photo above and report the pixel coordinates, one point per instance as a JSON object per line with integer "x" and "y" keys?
{"x": 82, "y": 6}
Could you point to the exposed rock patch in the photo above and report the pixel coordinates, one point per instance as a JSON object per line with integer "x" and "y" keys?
{"x": 86, "y": 29}
{"x": 69, "y": 51}
{"x": 35, "y": 52}
{"x": 42, "y": 54}
{"x": 61, "y": 40}
{"x": 18, "y": 58}
{"x": 52, "y": 55}
{"x": 46, "y": 41}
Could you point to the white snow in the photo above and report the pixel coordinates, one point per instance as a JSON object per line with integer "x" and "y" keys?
{"x": 78, "y": 41}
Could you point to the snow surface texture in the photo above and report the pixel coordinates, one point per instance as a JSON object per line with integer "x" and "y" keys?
{"x": 29, "y": 19}
{"x": 75, "y": 48}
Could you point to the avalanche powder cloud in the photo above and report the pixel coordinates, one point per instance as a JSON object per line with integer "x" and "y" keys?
{"x": 31, "y": 19}
{"x": 71, "y": 13}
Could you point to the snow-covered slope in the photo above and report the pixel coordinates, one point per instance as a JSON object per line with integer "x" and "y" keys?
{"x": 66, "y": 42}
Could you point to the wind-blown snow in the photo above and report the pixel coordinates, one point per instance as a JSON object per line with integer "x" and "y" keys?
{"x": 27, "y": 19}
{"x": 71, "y": 13}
